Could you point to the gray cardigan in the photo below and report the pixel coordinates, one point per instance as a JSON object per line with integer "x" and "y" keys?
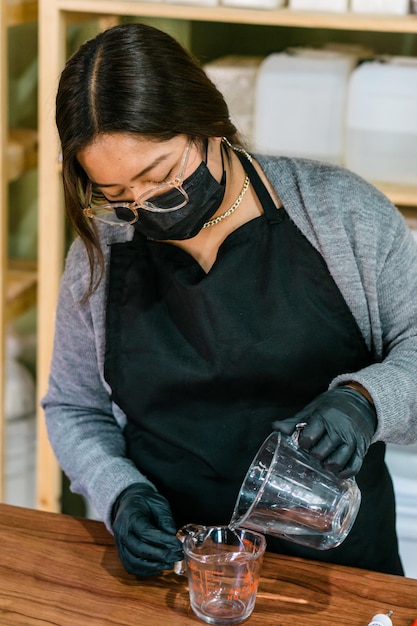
{"x": 371, "y": 255}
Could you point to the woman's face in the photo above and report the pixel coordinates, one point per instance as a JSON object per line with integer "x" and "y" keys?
{"x": 124, "y": 166}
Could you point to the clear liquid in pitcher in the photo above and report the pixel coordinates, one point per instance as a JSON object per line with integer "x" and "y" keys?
{"x": 312, "y": 528}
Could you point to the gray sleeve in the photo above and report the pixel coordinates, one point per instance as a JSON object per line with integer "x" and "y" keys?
{"x": 390, "y": 284}
{"x": 372, "y": 256}
{"x": 85, "y": 435}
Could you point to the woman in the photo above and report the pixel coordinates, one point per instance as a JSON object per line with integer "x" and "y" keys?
{"x": 211, "y": 296}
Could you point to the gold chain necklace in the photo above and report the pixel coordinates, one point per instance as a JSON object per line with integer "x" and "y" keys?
{"x": 233, "y": 208}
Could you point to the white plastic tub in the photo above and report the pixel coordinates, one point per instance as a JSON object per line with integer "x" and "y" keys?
{"x": 254, "y": 4}
{"x": 235, "y": 77}
{"x": 206, "y": 3}
{"x": 20, "y": 427}
{"x": 402, "y": 463}
{"x": 395, "y": 7}
{"x": 300, "y": 104}
{"x": 319, "y": 5}
{"x": 381, "y": 122}
{"x": 21, "y": 461}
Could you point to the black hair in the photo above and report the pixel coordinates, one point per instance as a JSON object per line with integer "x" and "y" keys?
{"x": 132, "y": 78}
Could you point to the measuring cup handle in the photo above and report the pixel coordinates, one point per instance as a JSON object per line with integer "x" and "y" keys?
{"x": 296, "y": 434}
{"x": 180, "y": 567}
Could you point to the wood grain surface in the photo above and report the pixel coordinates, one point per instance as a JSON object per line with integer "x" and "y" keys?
{"x": 57, "y": 570}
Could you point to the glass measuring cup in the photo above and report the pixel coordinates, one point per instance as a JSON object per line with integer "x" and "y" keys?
{"x": 223, "y": 568}
{"x": 288, "y": 493}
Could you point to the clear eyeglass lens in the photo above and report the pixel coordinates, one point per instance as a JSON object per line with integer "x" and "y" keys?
{"x": 110, "y": 214}
{"x": 164, "y": 198}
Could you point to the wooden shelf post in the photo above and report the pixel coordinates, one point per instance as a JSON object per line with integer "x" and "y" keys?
{"x": 52, "y": 49}
{"x": 3, "y": 227}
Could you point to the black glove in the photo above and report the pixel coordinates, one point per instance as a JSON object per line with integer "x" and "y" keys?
{"x": 340, "y": 426}
{"x": 144, "y": 531}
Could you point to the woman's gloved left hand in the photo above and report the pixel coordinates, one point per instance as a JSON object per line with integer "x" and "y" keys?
{"x": 144, "y": 531}
{"x": 340, "y": 424}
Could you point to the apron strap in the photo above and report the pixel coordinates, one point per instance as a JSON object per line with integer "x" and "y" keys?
{"x": 271, "y": 211}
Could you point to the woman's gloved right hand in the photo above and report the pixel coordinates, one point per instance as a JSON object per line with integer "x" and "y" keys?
{"x": 144, "y": 531}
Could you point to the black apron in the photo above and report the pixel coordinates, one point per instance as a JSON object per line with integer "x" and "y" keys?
{"x": 202, "y": 363}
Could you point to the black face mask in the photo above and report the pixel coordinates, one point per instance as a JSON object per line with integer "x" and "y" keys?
{"x": 205, "y": 197}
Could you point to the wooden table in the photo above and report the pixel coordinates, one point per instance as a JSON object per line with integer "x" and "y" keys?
{"x": 57, "y": 570}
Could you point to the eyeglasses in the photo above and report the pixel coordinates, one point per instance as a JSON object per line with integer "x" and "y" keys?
{"x": 163, "y": 198}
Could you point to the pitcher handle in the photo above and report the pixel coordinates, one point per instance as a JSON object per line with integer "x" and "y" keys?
{"x": 296, "y": 434}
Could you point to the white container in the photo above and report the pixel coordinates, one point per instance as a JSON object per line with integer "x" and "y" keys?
{"x": 402, "y": 463}
{"x": 319, "y": 5}
{"x": 21, "y": 461}
{"x": 254, "y": 4}
{"x": 300, "y": 104}
{"x": 381, "y": 122}
{"x": 235, "y": 77}
{"x": 395, "y": 7}
{"x": 206, "y": 3}
{"x": 20, "y": 410}
{"x": 411, "y": 219}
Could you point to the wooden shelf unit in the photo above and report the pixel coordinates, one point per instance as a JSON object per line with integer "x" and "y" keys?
{"x": 55, "y": 17}
{"x": 21, "y": 287}
{"x": 267, "y": 17}
{"x": 18, "y": 153}
{"x": 21, "y": 11}
{"x": 21, "y": 152}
